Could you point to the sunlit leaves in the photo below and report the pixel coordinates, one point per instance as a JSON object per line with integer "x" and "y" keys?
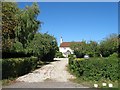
{"x": 9, "y": 22}
{"x": 105, "y": 48}
{"x": 109, "y": 45}
{"x": 42, "y": 44}
{"x": 28, "y": 24}
{"x": 18, "y": 25}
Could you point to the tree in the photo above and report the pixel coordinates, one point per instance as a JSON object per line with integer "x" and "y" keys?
{"x": 80, "y": 49}
{"x": 43, "y": 46}
{"x": 92, "y": 48}
{"x": 109, "y": 45}
{"x": 59, "y": 55}
{"x": 9, "y": 22}
{"x": 28, "y": 24}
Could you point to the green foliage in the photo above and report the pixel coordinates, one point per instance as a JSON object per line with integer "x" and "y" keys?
{"x": 9, "y": 22}
{"x": 114, "y": 55}
{"x": 0, "y": 67}
{"x": 43, "y": 46}
{"x": 14, "y": 67}
{"x": 83, "y": 48}
{"x": 17, "y": 47}
{"x": 20, "y": 35}
{"x": 28, "y": 24}
{"x": 95, "y": 68}
{"x": 109, "y": 45}
{"x": 59, "y": 55}
{"x": 71, "y": 55}
{"x": 18, "y": 26}
{"x": 79, "y": 59}
{"x": 105, "y": 48}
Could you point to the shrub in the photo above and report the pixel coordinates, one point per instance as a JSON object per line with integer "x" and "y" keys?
{"x": 14, "y": 67}
{"x": 18, "y": 47}
{"x": 79, "y": 54}
{"x": 83, "y": 48}
{"x": 109, "y": 45}
{"x": 95, "y": 68}
{"x": 0, "y": 68}
{"x": 15, "y": 55}
{"x": 43, "y": 46}
{"x": 72, "y": 55}
{"x": 114, "y": 55}
{"x": 59, "y": 55}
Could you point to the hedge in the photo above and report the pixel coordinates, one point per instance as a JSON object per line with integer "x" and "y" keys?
{"x": 95, "y": 68}
{"x": 14, "y": 67}
{"x": 0, "y": 68}
{"x": 6, "y": 55}
{"x": 59, "y": 55}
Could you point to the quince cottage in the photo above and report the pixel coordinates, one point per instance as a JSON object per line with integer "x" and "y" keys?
{"x": 65, "y": 48}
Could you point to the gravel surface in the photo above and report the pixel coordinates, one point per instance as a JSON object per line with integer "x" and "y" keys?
{"x": 53, "y": 75}
{"x": 55, "y": 71}
{"x": 45, "y": 85}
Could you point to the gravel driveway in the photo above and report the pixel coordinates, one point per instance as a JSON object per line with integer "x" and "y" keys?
{"x": 51, "y": 75}
{"x": 55, "y": 71}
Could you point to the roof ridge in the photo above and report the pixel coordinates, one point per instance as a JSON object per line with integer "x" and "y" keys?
{"x": 67, "y": 44}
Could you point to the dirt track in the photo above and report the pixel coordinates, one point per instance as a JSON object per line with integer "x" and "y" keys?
{"x": 53, "y": 75}
{"x": 55, "y": 71}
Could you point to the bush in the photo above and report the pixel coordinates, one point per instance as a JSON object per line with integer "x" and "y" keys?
{"x": 18, "y": 47}
{"x": 15, "y": 55}
{"x": 114, "y": 55}
{"x": 109, "y": 45}
{"x": 79, "y": 54}
{"x": 48, "y": 56}
{"x": 43, "y": 46}
{"x": 95, "y": 68}
{"x": 14, "y": 67}
{"x": 72, "y": 55}
{"x": 59, "y": 55}
{"x": 0, "y": 68}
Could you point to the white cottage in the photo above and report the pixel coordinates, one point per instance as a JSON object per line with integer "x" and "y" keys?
{"x": 65, "y": 48}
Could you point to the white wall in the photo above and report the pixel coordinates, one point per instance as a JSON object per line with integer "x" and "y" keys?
{"x": 64, "y": 50}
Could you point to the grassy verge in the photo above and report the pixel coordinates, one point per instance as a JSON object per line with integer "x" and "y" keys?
{"x": 9, "y": 81}
{"x": 91, "y": 83}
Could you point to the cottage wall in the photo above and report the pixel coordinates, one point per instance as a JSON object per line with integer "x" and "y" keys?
{"x": 64, "y": 50}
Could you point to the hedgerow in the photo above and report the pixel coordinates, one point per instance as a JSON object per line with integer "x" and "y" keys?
{"x": 95, "y": 68}
{"x": 14, "y": 67}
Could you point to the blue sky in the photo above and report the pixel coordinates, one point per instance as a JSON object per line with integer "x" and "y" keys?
{"x": 78, "y": 21}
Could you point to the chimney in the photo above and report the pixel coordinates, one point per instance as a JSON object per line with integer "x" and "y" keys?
{"x": 61, "y": 40}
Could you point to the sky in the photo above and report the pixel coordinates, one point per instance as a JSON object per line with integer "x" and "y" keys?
{"x": 77, "y": 21}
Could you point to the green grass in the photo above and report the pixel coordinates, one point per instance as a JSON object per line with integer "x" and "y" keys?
{"x": 7, "y": 81}
{"x": 79, "y": 59}
{"x": 91, "y": 83}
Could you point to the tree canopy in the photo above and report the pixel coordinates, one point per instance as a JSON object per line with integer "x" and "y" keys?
{"x": 20, "y": 32}
{"x": 105, "y": 48}
{"x": 9, "y": 22}
{"x": 28, "y": 24}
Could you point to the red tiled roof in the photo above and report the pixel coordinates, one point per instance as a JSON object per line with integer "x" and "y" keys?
{"x": 67, "y": 44}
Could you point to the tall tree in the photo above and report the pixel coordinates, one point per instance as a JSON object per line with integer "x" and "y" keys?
{"x": 9, "y": 22}
{"x": 92, "y": 48}
{"x": 28, "y": 24}
{"x": 80, "y": 49}
{"x": 109, "y": 45}
{"x": 43, "y": 46}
